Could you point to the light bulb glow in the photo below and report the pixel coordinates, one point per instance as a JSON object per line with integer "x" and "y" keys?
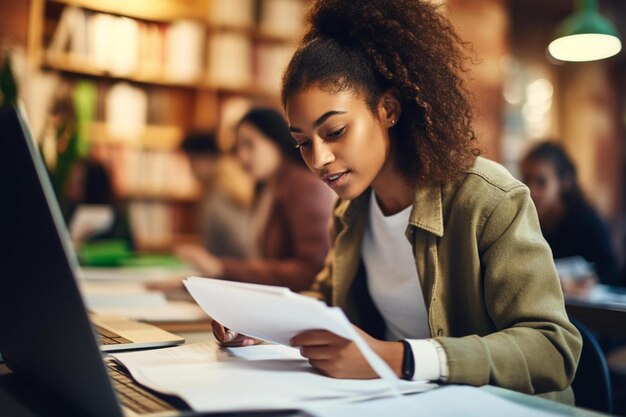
{"x": 584, "y": 47}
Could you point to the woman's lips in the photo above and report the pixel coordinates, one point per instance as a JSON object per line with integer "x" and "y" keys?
{"x": 336, "y": 179}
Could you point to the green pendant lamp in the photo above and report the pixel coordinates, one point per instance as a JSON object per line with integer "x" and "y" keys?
{"x": 585, "y": 36}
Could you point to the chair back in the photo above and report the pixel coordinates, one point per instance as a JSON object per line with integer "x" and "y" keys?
{"x": 592, "y": 382}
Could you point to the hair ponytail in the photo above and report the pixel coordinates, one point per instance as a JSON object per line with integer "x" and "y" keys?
{"x": 368, "y": 46}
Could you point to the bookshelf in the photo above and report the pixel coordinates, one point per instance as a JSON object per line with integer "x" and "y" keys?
{"x": 185, "y": 64}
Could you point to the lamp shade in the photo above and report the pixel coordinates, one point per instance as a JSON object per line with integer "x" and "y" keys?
{"x": 585, "y": 36}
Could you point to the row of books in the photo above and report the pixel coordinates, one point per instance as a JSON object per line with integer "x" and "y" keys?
{"x": 139, "y": 173}
{"x": 154, "y": 224}
{"x": 281, "y": 18}
{"x": 182, "y": 51}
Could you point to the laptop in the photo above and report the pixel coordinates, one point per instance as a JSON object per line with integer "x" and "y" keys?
{"x": 46, "y": 334}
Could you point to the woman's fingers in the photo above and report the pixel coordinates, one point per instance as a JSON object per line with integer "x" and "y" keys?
{"x": 221, "y": 333}
{"x": 229, "y": 338}
{"x": 333, "y": 355}
{"x": 241, "y": 340}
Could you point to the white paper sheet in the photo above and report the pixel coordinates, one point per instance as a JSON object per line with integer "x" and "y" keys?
{"x": 136, "y": 274}
{"x": 89, "y": 220}
{"x": 209, "y": 379}
{"x": 264, "y": 352}
{"x": 171, "y": 312}
{"x": 195, "y": 353}
{"x": 146, "y": 300}
{"x": 133, "y": 300}
{"x": 276, "y": 314}
{"x": 450, "y": 401}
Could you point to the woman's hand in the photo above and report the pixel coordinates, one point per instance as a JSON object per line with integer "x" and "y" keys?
{"x": 228, "y": 338}
{"x": 202, "y": 259}
{"x": 337, "y": 357}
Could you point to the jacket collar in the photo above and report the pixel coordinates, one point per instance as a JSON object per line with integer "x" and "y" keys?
{"x": 348, "y": 210}
{"x": 427, "y": 212}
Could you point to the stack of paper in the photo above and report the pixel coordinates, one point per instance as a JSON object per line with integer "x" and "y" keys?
{"x": 247, "y": 378}
{"x": 263, "y": 376}
{"x": 133, "y": 300}
{"x": 276, "y": 314}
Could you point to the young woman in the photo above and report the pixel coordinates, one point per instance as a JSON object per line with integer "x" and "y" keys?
{"x": 568, "y": 222}
{"x": 437, "y": 254}
{"x": 291, "y": 214}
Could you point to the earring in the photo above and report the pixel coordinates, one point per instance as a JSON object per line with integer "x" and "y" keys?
{"x": 393, "y": 122}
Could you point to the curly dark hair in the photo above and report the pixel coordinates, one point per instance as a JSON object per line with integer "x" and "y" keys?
{"x": 369, "y": 46}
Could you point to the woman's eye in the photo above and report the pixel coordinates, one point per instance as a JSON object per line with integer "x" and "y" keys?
{"x": 335, "y": 133}
{"x": 303, "y": 145}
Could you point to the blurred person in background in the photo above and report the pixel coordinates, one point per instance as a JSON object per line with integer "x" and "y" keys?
{"x": 291, "y": 211}
{"x": 568, "y": 222}
{"x": 223, "y": 212}
{"x": 86, "y": 194}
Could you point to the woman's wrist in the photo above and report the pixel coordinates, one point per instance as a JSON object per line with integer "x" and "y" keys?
{"x": 392, "y": 353}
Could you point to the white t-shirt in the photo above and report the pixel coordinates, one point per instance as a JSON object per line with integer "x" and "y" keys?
{"x": 395, "y": 288}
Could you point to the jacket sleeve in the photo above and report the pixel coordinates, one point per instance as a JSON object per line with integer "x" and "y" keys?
{"x": 535, "y": 349}
{"x": 323, "y": 286}
{"x": 307, "y": 216}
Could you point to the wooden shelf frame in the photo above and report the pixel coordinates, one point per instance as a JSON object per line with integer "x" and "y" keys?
{"x": 153, "y": 10}
{"x": 148, "y": 10}
{"x": 79, "y": 66}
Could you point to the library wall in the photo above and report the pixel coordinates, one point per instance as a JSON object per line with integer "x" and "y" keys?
{"x": 487, "y": 45}
{"x": 138, "y": 77}
{"x": 14, "y": 22}
{"x": 584, "y": 103}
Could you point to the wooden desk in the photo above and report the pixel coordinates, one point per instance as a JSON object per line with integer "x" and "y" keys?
{"x": 21, "y": 399}
{"x": 601, "y": 316}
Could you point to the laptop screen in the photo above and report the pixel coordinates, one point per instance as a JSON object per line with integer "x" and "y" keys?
{"x": 45, "y": 333}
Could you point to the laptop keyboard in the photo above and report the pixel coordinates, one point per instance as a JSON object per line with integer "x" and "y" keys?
{"x": 106, "y": 337}
{"x": 133, "y": 396}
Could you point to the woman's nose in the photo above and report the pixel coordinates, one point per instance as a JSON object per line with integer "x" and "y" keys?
{"x": 322, "y": 155}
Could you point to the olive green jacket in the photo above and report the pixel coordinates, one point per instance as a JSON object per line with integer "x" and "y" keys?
{"x": 491, "y": 289}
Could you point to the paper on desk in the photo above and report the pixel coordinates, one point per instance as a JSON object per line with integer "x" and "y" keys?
{"x": 195, "y": 353}
{"x": 137, "y": 274}
{"x": 172, "y": 312}
{"x": 133, "y": 300}
{"x": 276, "y": 314}
{"x": 89, "y": 220}
{"x": 145, "y": 300}
{"x": 271, "y": 377}
{"x": 450, "y": 401}
{"x": 607, "y": 295}
{"x": 263, "y": 352}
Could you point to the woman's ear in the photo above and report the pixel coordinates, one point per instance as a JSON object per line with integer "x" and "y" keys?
{"x": 389, "y": 107}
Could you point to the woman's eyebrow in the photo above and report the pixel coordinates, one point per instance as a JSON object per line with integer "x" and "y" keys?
{"x": 319, "y": 120}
